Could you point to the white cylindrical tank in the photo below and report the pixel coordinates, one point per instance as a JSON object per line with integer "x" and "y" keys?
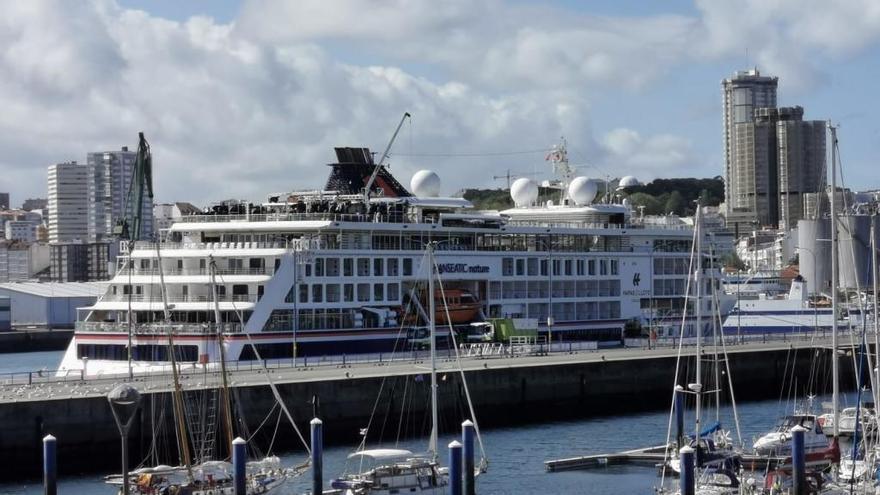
{"x": 582, "y": 190}
{"x": 425, "y": 183}
{"x": 523, "y": 192}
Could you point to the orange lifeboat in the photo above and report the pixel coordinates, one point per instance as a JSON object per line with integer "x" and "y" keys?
{"x": 463, "y": 307}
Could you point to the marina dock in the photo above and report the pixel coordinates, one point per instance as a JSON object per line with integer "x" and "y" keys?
{"x": 648, "y": 457}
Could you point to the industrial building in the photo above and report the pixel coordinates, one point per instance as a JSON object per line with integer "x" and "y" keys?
{"x": 50, "y": 305}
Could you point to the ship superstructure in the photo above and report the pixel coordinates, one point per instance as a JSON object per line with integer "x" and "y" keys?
{"x": 318, "y": 273}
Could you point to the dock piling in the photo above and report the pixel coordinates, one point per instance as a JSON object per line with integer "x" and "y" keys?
{"x": 317, "y": 456}
{"x": 50, "y": 468}
{"x": 239, "y": 463}
{"x": 687, "y": 471}
{"x": 467, "y": 440}
{"x": 455, "y": 468}
{"x": 798, "y": 460}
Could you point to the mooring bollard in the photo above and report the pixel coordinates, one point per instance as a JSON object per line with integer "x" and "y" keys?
{"x": 239, "y": 463}
{"x": 50, "y": 468}
{"x": 455, "y": 468}
{"x": 317, "y": 456}
{"x": 687, "y": 471}
{"x": 798, "y": 460}
{"x": 679, "y": 415}
{"x": 467, "y": 440}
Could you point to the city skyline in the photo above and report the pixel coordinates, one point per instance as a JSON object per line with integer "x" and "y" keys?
{"x": 240, "y": 99}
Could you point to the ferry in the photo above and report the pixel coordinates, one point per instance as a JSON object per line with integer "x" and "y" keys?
{"x": 329, "y": 272}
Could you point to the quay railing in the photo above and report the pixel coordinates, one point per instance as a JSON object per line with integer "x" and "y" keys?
{"x": 18, "y": 385}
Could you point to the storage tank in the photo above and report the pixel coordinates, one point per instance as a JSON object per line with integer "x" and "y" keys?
{"x": 814, "y": 255}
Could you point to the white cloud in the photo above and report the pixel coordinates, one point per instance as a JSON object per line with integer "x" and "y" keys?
{"x": 244, "y": 108}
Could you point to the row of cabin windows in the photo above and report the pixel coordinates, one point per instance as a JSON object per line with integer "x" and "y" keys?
{"x": 140, "y": 352}
{"x": 360, "y": 267}
{"x": 331, "y": 293}
{"x": 520, "y": 267}
{"x": 231, "y": 263}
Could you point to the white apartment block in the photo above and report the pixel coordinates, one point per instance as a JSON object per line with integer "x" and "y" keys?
{"x": 21, "y": 230}
{"x": 68, "y": 207}
{"x": 109, "y": 183}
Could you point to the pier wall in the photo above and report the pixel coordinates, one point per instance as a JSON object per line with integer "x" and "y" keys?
{"x": 34, "y": 340}
{"x": 88, "y": 441}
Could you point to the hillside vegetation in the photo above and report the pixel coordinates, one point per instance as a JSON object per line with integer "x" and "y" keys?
{"x": 659, "y": 197}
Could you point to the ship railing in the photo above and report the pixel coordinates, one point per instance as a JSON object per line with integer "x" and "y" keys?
{"x": 196, "y": 271}
{"x": 157, "y": 328}
{"x": 149, "y": 245}
{"x": 299, "y": 217}
{"x": 179, "y": 298}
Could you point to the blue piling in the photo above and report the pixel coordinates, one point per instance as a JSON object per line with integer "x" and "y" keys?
{"x": 679, "y": 415}
{"x": 455, "y": 468}
{"x": 317, "y": 456}
{"x": 467, "y": 440}
{"x": 50, "y": 468}
{"x": 239, "y": 462}
{"x": 798, "y": 460}
{"x": 687, "y": 471}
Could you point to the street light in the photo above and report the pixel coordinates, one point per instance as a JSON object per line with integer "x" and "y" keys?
{"x": 124, "y": 401}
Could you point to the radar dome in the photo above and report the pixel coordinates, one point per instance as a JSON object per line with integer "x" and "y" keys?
{"x": 523, "y": 192}
{"x": 425, "y": 183}
{"x": 628, "y": 181}
{"x": 582, "y": 190}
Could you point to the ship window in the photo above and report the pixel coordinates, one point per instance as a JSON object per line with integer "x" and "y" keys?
{"x": 507, "y": 266}
{"x": 579, "y": 265}
{"x": 235, "y": 263}
{"x": 308, "y": 270}
{"x": 317, "y": 293}
{"x": 591, "y": 267}
{"x": 520, "y": 267}
{"x": 114, "y": 290}
{"x": 393, "y": 292}
{"x": 138, "y": 289}
{"x": 203, "y": 265}
{"x": 532, "y": 266}
{"x": 332, "y": 267}
{"x": 378, "y": 292}
{"x": 603, "y": 267}
{"x": 348, "y": 292}
{"x": 557, "y": 266}
{"x": 363, "y": 267}
{"x": 179, "y": 265}
{"x": 239, "y": 290}
{"x": 332, "y": 292}
{"x": 615, "y": 267}
{"x": 303, "y": 293}
{"x": 392, "y": 267}
{"x": 348, "y": 267}
{"x": 363, "y": 292}
{"x": 377, "y": 267}
{"x": 184, "y": 290}
{"x": 319, "y": 267}
{"x": 568, "y": 267}
{"x": 407, "y": 267}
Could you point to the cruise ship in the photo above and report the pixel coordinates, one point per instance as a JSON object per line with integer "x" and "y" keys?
{"x": 329, "y": 272}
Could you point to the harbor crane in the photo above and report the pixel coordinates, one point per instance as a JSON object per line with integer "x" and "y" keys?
{"x": 384, "y": 157}
{"x": 129, "y": 227}
{"x": 513, "y": 175}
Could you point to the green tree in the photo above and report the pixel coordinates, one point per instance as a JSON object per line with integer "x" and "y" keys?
{"x": 675, "y": 203}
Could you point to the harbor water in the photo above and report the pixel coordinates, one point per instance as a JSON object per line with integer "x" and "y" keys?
{"x": 516, "y": 455}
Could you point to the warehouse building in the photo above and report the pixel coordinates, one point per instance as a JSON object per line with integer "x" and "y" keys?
{"x": 49, "y": 305}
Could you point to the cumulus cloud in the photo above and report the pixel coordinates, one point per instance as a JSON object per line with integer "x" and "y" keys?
{"x": 256, "y": 105}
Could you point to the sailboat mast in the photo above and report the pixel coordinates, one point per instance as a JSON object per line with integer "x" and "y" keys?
{"x": 224, "y": 389}
{"x": 433, "y": 327}
{"x": 698, "y": 280}
{"x": 875, "y": 370}
{"x": 177, "y": 392}
{"x": 835, "y": 387}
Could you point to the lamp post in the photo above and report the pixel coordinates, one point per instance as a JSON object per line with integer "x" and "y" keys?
{"x": 124, "y": 401}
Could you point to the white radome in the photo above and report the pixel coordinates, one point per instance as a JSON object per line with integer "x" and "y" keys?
{"x": 523, "y": 192}
{"x": 425, "y": 184}
{"x": 628, "y": 181}
{"x": 582, "y": 190}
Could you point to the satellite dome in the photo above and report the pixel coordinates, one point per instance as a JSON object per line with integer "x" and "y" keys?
{"x": 582, "y": 190}
{"x": 523, "y": 192}
{"x": 425, "y": 183}
{"x": 628, "y": 181}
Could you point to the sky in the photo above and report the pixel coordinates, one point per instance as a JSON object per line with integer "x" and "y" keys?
{"x": 240, "y": 99}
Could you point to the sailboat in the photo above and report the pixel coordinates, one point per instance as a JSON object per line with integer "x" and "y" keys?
{"x": 392, "y": 471}
{"x": 199, "y": 474}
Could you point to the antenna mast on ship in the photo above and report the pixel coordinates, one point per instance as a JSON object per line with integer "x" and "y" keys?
{"x": 558, "y": 158}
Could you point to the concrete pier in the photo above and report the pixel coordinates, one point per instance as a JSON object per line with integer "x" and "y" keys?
{"x": 515, "y": 390}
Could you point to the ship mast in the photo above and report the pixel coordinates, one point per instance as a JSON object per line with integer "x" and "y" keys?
{"x": 698, "y": 280}
{"x": 432, "y": 447}
{"x": 177, "y": 392}
{"x": 224, "y": 390}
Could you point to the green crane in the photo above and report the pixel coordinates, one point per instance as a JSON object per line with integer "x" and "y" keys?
{"x": 129, "y": 226}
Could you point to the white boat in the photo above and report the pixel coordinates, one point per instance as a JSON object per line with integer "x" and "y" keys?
{"x": 778, "y": 441}
{"x": 326, "y": 272}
